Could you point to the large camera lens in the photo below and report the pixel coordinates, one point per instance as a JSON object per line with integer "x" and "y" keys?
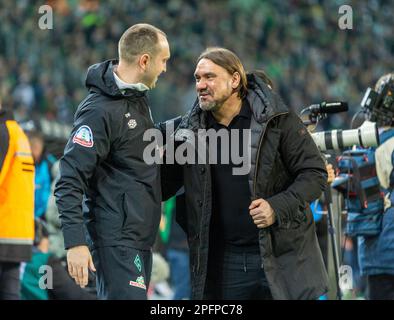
{"x": 366, "y": 136}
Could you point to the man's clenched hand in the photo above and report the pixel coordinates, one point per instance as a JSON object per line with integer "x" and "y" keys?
{"x": 262, "y": 213}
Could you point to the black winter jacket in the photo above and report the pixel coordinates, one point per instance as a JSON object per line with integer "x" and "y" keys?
{"x": 288, "y": 171}
{"x": 103, "y": 161}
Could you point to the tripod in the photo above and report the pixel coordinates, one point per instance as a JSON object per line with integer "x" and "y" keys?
{"x": 313, "y": 119}
{"x": 331, "y": 232}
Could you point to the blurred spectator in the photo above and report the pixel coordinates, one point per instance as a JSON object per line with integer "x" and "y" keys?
{"x": 58, "y": 285}
{"x": 24, "y": 93}
{"x": 178, "y": 256}
{"x": 43, "y": 178}
{"x": 16, "y": 204}
{"x": 158, "y": 286}
{"x": 56, "y": 240}
{"x": 172, "y": 244}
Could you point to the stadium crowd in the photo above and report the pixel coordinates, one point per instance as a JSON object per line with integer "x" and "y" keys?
{"x": 298, "y": 43}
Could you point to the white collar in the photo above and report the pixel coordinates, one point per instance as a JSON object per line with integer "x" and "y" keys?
{"x": 124, "y": 85}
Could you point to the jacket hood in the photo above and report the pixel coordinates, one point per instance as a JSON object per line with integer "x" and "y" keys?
{"x": 264, "y": 102}
{"x": 100, "y": 78}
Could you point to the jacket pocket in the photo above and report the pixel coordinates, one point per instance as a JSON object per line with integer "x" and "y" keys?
{"x": 284, "y": 240}
{"x": 107, "y": 221}
{"x": 133, "y": 211}
{"x": 141, "y": 214}
{"x": 299, "y": 218}
{"x": 124, "y": 210}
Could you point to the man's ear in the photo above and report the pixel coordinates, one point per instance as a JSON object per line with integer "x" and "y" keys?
{"x": 144, "y": 61}
{"x": 236, "y": 79}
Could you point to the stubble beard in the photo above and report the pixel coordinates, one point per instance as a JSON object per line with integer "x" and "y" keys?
{"x": 209, "y": 105}
{"x": 213, "y": 105}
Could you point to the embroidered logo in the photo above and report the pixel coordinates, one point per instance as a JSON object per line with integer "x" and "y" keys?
{"x": 84, "y": 137}
{"x": 127, "y": 115}
{"x": 139, "y": 283}
{"x": 132, "y": 123}
{"x": 137, "y": 262}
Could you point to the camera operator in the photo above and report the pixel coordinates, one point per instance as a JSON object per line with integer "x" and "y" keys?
{"x": 376, "y": 253}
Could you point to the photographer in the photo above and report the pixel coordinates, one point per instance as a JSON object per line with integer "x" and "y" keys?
{"x": 16, "y": 203}
{"x": 376, "y": 253}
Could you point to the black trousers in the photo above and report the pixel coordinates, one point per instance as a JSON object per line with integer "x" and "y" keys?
{"x": 380, "y": 287}
{"x": 236, "y": 275}
{"x": 9, "y": 281}
{"x": 123, "y": 273}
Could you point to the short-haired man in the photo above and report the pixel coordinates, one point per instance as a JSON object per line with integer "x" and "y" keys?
{"x": 251, "y": 235}
{"x": 103, "y": 162}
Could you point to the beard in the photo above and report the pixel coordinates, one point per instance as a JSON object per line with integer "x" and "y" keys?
{"x": 209, "y": 105}
{"x": 213, "y": 105}
{"x": 216, "y": 102}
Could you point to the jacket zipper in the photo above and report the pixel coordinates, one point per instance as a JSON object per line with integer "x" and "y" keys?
{"x": 257, "y": 163}
{"x": 199, "y": 236}
{"x": 258, "y": 152}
